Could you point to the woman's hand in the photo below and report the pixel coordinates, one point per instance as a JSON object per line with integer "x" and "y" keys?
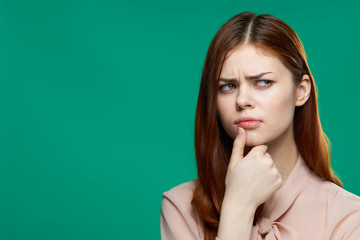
{"x": 251, "y": 179}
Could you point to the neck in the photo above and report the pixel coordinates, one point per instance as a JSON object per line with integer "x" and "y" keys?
{"x": 283, "y": 152}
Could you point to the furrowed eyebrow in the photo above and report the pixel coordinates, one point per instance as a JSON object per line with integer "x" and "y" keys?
{"x": 250, "y": 77}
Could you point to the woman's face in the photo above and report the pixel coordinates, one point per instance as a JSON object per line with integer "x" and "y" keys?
{"x": 256, "y": 84}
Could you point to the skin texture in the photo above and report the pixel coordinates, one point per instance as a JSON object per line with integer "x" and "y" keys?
{"x": 262, "y": 157}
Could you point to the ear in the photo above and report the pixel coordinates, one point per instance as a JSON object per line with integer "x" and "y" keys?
{"x": 303, "y": 90}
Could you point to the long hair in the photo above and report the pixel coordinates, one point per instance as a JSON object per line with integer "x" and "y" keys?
{"x": 212, "y": 144}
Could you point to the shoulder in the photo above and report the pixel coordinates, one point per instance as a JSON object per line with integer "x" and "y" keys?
{"x": 182, "y": 193}
{"x": 339, "y": 197}
{"x": 343, "y": 212}
{"x": 181, "y": 188}
{"x": 178, "y": 199}
{"x": 178, "y": 218}
{"x": 334, "y": 194}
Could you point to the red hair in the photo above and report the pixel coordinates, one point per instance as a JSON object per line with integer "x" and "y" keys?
{"x": 212, "y": 144}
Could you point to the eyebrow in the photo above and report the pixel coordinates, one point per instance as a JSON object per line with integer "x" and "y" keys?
{"x": 249, "y": 77}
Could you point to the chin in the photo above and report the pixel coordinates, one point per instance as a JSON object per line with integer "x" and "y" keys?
{"x": 251, "y": 140}
{"x": 256, "y": 139}
{"x": 254, "y": 143}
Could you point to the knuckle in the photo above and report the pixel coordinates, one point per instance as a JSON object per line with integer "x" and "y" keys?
{"x": 275, "y": 172}
{"x": 257, "y": 154}
{"x": 275, "y": 175}
{"x": 270, "y": 162}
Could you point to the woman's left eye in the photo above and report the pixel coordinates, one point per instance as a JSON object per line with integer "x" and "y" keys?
{"x": 267, "y": 83}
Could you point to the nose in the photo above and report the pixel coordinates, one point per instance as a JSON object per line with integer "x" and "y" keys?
{"x": 243, "y": 99}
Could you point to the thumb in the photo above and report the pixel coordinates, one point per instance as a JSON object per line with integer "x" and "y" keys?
{"x": 239, "y": 145}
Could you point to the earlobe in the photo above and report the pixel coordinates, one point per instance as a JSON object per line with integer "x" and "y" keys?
{"x": 303, "y": 90}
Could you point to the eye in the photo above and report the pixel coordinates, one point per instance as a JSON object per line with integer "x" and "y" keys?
{"x": 227, "y": 87}
{"x": 268, "y": 83}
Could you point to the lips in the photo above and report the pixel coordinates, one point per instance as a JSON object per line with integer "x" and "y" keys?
{"x": 247, "y": 122}
{"x": 243, "y": 119}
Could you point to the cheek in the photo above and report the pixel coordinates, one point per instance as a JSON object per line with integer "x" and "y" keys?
{"x": 280, "y": 110}
{"x": 225, "y": 109}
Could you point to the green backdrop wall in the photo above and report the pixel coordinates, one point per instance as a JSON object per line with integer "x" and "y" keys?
{"x": 97, "y": 104}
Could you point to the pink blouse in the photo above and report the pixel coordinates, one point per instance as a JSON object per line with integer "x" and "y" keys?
{"x": 305, "y": 207}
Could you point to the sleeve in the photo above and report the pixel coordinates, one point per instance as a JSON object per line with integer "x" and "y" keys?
{"x": 177, "y": 221}
{"x": 345, "y": 217}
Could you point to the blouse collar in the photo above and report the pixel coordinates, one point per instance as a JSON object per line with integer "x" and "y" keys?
{"x": 282, "y": 199}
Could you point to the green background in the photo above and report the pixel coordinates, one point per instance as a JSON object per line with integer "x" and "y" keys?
{"x": 98, "y": 98}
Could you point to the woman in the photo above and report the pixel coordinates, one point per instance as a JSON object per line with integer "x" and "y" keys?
{"x": 263, "y": 160}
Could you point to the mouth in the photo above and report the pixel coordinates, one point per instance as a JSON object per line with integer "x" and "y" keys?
{"x": 249, "y": 123}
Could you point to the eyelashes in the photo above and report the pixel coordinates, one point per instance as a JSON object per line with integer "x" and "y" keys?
{"x": 268, "y": 82}
{"x": 229, "y": 86}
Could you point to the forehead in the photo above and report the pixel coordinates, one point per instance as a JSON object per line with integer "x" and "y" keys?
{"x": 250, "y": 59}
